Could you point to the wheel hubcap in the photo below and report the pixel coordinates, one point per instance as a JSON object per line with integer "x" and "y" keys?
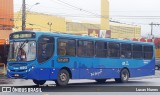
{"x": 125, "y": 76}
{"x": 63, "y": 77}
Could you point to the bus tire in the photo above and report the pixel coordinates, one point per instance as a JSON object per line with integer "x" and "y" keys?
{"x": 63, "y": 78}
{"x": 156, "y": 67}
{"x": 124, "y": 76}
{"x": 39, "y": 82}
{"x": 100, "y": 80}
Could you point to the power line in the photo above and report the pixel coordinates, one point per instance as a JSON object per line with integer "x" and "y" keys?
{"x": 134, "y": 16}
{"x": 77, "y": 8}
{"x": 91, "y": 16}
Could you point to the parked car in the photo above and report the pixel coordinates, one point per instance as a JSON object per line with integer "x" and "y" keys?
{"x": 157, "y": 65}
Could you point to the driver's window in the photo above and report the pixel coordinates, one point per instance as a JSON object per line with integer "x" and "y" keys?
{"x": 45, "y": 48}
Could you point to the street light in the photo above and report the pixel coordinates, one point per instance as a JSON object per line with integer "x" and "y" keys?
{"x": 50, "y": 24}
{"x": 33, "y": 5}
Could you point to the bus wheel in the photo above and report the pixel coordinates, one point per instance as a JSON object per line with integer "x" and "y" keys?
{"x": 63, "y": 78}
{"x": 156, "y": 68}
{"x": 124, "y": 76}
{"x": 39, "y": 82}
{"x": 100, "y": 80}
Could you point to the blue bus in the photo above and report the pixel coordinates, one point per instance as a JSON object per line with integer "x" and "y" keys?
{"x": 43, "y": 56}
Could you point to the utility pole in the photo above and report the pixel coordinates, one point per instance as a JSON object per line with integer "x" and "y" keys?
{"x": 24, "y": 15}
{"x": 151, "y": 28}
{"x": 152, "y": 24}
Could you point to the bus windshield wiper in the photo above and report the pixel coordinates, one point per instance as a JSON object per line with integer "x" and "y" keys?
{"x": 23, "y": 44}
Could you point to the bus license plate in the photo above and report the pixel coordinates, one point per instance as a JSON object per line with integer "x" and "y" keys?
{"x": 16, "y": 75}
{"x": 23, "y": 67}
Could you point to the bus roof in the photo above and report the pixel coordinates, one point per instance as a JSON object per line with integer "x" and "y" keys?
{"x": 88, "y": 37}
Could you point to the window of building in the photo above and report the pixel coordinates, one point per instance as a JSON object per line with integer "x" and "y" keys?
{"x": 114, "y": 49}
{"x": 45, "y": 48}
{"x": 126, "y": 51}
{"x": 101, "y": 49}
{"x": 137, "y": 51}
{"x": 148, "y": 52}
{"x": 66, "y": 47}
{"x": 85, "y": 48}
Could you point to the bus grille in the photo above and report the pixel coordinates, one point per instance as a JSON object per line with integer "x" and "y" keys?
{"x": 18, "y": 70}
{"x": 17, "y": 64}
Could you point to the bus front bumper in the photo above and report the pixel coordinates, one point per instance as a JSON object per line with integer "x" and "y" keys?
{"x": 36, "y": 73}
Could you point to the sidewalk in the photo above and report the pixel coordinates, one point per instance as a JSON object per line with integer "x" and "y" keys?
{"x": 2, "y": 69}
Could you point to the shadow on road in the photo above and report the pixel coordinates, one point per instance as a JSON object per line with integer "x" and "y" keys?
{"x": 110, "y": 86}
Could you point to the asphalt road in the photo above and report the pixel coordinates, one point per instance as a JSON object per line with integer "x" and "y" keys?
{"x": 140, "y": 81}
{"x": 88, "y": 86}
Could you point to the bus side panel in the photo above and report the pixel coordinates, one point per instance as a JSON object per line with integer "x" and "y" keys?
{"x": 54, "y": 74}
{"x": 72, "y": 64}
{"x": 75, "y": 73}
{"x": 98, "y": 68}
{"x": 39, "y": 74}
{"x": 141, "y": 72}
{"x": 85, "y": 64}
{"x": 146, "y": 70}
{"x": 44, "y": 73}
{"x": 104, "y": 73}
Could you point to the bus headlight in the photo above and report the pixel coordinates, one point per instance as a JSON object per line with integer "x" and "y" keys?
{"x": 33, "y": 67}
{"x": 8, "y": 70}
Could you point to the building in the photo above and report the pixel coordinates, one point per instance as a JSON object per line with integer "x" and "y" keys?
{"x": 40, "y": 22}
{"x": 6, "y": 18}
{"x": 120, "y": 31}
{"x": 6, "y": 14}
{"x": 105, "y": 15}
{"x": 6, "y": 25}
{"x": 80, "y": 28}
{"x": 44, "y": 22}
{"x": 127, "y": 31}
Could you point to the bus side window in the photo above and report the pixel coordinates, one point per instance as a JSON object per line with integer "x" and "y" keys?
{"x": 62, "y": 51}
{"x": 85, "y": 48}
{"x": 90, "y": 49}
{"x": 80, "y": 49}
{"x": 45, "y": 48}
{"x": 137, "y": 51}
{"x": 148, "y": 52}
{"x": 114, "y": 49}
{"x": 126, "y": 50}
{"x": 66, "y": 47}
{"x": 101, "y": 49}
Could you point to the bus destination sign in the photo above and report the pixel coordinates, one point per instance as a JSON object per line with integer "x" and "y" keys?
{"x": 22, "y": 35}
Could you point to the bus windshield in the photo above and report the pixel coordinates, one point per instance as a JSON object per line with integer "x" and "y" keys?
{"x": 22, "y": 51}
